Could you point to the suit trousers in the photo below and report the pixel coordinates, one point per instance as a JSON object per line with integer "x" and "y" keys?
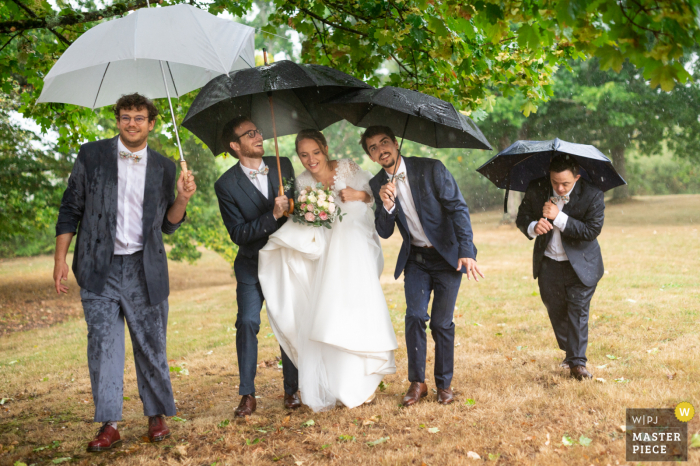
{"x": 427, "y": 272}
{"x": 125, "y": 297}
{"x": 250, "y": 299}
{"x": 568, "y": 304}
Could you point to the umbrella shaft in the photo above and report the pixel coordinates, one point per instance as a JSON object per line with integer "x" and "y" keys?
{"x": 277, "y": 150}
{"x": 172, "y": 113}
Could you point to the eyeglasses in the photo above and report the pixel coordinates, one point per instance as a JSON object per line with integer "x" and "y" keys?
{"x": 383, "y": 144}
{"x": 138, "y": 119}
{"x": 251, "y": 134}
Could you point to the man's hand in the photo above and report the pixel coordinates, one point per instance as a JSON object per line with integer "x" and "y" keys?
{"x": 388, "y": 195}
{"x": 186, "y": 185}
{"x": 60, "y": 273}
{"x": 543, "y": 226}
{"x": 550, "y": 210}
{"x": 471, "y": 266}
{"x": 349, "y": 195}
{"x": 281, "y": 206}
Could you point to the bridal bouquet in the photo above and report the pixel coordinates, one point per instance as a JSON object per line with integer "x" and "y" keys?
{"x": 316, "y": 207}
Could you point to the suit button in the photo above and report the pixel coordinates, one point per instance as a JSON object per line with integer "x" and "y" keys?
{"x": 98, "y": 241}
{"x": 160, "y": 251}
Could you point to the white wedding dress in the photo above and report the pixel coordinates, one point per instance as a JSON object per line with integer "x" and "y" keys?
{"x": 324, "y": 300}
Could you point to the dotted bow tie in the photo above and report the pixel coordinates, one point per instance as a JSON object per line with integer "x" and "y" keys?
{"x": 400, "y": 177}
{"x": 128, "y": 155}
{"x": 556, "y": 199}
{"x": 254, "y": 174}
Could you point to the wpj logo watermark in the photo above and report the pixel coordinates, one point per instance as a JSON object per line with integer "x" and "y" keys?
{"x": 658, "y": 434}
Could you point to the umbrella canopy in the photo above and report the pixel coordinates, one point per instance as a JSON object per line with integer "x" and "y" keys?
{"x": 524, "y": 161}
{"x": 416, "y": 116}
{"x": 296, "y": 90}
{"x": 124, "y": 56}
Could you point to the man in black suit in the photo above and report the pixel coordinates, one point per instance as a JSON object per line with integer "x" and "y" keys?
{"x": 422, "y": 198}
{"x": 252, "y": 211}
{"x": 564, "y": 214}
{"x": 120, "y": 199}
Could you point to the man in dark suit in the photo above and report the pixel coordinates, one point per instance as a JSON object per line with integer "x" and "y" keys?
{"x": 120, "y": 199}
{"x": 564, "y": 214}
{"x": 252, "y": 211}
{"x": 423, "y": 199}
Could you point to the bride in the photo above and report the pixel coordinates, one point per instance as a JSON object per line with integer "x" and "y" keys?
{"x": 324, "y": 300}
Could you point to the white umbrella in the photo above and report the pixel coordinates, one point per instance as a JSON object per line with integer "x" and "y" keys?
{"x": 155, "y": 52}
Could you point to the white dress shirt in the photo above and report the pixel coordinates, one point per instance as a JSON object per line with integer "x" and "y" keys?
{"x": 555, "y": 248}
{"x": 131, "y": 185}
{"x": 403, "y": 194}
{"x": 260, "y": 181}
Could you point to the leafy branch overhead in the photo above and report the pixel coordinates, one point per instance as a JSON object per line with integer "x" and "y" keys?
{"x": 465, "y": 51}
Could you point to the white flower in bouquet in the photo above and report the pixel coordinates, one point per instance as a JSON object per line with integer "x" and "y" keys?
{"x": 331, "y": 208}
{"x": 303, "y": 192}
{"x": 312, "y": 198}
{"x": 331, "y": 199}
{"x": 322, "y": 203}
{"x": 321, "y": 196}
{"x": 303, "y": 197}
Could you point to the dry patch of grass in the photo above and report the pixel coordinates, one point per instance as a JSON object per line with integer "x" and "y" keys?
{"x": 514, "y": 404}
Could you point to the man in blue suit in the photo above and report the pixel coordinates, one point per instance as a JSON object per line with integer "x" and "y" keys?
{"x": 252, "y": 211}
{"x": 423, "y": 199}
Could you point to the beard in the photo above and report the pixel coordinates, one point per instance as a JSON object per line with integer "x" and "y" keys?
{"x": 388, "y": 163}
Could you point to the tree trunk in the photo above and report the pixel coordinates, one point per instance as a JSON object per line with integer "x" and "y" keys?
{"x": 618, "y": 158}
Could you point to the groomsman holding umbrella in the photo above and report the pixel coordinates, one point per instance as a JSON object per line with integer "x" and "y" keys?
{"x": 121, "y": 199}
{"x": 564, "y": 214}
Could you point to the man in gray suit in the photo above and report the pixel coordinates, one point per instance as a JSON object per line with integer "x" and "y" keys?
{"x": 564, "y": 214}
{"x": 120, "y": 199}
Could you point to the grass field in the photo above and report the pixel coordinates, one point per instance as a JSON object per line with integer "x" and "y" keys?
{"x": 514, "y": 403}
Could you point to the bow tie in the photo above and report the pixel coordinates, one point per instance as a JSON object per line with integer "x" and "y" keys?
{"x": 400, "y": 177}
{"x": 128, "y": 155}
{"x": 254, "y": 174}
{"x": 556, "y": 199}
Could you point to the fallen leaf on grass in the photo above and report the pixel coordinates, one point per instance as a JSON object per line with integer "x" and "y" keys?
{"x": 494, "y": 457}
{"x": 653, "y": 350}
{"x": 178, "y": 419}
{"x": 61, "y": 460}
{"x": 224, "y": 423}
{"x": 601, "y": 367}
{"x": 253, "y": 442}
{"x": 611, "y": 356}
{"x": 566, "y": 440}
{"x": 601, "y": 380}
{"x": 585, "y": 441}
{"x": 472, "y": 455}
{"x": 5, "y": 400}
{"x": 308, "y": 423}
{"x": 499, "y": 334}
{"x": 470, "y": 402}
{"x": 382, "y": 386}
{"x": 367, "y": 422}
{"x": 547, "y": 442}
{"x": 285, "y": 421}
{"x": 621, "y": 380}
{"x": 694, "y": 441}
{"x": 622, "y": 428}
{"x": 346, "y": 438}
{"x": 180, "y": 450}
{"x": 378, "y": 441}
{"x": 671, "y": 376}
{"x": 433, "y": 430}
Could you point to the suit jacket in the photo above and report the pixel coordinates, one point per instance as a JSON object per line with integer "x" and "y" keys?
{"x": 441, "y": 208}
{"x": 89, "y": 205}
{"x": 586, "y": 211}
{"x": 248, "y": 215}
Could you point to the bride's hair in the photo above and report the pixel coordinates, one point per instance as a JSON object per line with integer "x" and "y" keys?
{"x": 314, "y": 135}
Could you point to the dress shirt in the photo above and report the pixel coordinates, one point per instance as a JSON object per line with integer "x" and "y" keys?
{"x": 131, "y": 185}
{"x": 555, "y": 248}
{"x": 260, "y": 180}
{"x": 403, "y": 194}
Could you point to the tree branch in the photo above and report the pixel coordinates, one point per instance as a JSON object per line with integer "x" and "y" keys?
{"x": 67, "y": 19}
{"x": 328, "y": 23}
{"x": 323, "y": 43}
{"x": 10, "y": 40}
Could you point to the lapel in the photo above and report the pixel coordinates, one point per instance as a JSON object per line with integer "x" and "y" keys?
{"x": 414, "y": 183}
{"x": 273, "y": 179}
{"x": 249, "y": 188}
{"x": 573, "y": 197}
{"x": 151, "y": 199}
{"x": 110, "y": 184}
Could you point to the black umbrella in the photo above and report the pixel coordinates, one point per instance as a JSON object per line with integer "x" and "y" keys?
{"x": 416, "y": 116}
{"x": 295, "y": 88}
{"x": 524, "y": 161}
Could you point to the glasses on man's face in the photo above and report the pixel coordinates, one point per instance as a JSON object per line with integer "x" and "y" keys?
{"x": 383, "y": 144}
{"x": 138, "y": 119}
{"x": 251, "y": 134}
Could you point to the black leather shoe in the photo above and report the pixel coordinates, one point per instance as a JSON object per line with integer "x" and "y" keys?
{"x": 580, "y": 373}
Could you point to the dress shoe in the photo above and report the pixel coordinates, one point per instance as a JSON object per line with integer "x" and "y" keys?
{"x": 415, "y": 392}
{"x": 580, "y": 373}
{"x": 445, "y": 396}
{"x": 157, "y": 429}
{"x": 107, "y": 438}
{"x": 564, "y": 365}
{"x": 291, "y": 401}
{"x": 247, "y": 406}
{"x": 371, "y": 399}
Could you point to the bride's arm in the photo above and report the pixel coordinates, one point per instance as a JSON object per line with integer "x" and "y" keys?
{"x": 358, "y": 185}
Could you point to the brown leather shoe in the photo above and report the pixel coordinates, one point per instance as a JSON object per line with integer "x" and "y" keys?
{"x": 564, "y": 365}
{"x": 292, "y": 401}
{"x": 445, "y": 396}
{"x": 246, "y": 407}
{"x": 157, "y": 429}
{"x": 415, "y": 392}
{"x": 580, "y": 373}
{"x": 107, "y": 438}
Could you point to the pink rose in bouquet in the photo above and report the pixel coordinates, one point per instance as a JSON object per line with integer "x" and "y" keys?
{"x": 303, "y": 207}
{"x": 323, "y": 215}
{"x": 309, "y": 217}
{"x": 310, "y": 208}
